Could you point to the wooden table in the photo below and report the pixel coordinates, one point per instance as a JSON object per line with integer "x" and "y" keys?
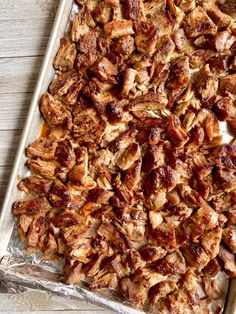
{"x": 25, "y": 26}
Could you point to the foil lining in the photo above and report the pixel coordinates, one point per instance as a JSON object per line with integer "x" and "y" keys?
{"x": 20, "y": 272}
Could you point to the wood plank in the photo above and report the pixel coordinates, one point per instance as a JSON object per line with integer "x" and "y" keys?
{"x": 8, "y": 144}
{"x": 19, "y": 74}
{"x": 27, "y": 9}
{"x": 14, "y": 108}
{"x": 24, "y": 37}
{"x": 5, "y": 172}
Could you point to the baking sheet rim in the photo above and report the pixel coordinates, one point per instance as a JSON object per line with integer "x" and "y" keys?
{"x": 6, "y": 217}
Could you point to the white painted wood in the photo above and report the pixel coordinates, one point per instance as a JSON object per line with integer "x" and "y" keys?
{"x": 19, "y": 75}
{"x": 19, "y": 40}
{"x": 13, "y": 110}
{"x": 25, "y": 26}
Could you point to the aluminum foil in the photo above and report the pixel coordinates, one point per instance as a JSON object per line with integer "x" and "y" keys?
{"x": 20, "y": 272}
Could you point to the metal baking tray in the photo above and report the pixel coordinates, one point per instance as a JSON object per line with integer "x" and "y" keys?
{"x": 28, "y": 272}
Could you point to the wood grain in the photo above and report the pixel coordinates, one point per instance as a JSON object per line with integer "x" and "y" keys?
{"x": 24, "y": 31}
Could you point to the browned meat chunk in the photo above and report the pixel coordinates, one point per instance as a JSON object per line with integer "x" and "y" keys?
{"x": 228, "y": 84}
{"x": 134, "y": 10}
{"x": 105, "y": 70}
{"x": 43, "y": 148}
{"x": 54, "y": 112}
{"x": 65, "y": 154}
{"x": 198, "y": 23}
{"x": 173, "y": 263}
{"x": 228, "y": 261}
{"x": 87, "y": 127}
{"x": 65, "y": 57}
{"x": 207, "y": 83}
{"x": 179, "y": 74}
{"x": 175, "y": 131}
{"x": 195, "y": 255}
{"x": 161, "y": 290}
{"x": 229, "y": 238}
{"x": 36, "y": 185}
{"x": 126, "y": 158}
{"x": 223, "y": 41}
{"x": 118, "y": 28}
{"x": 146, "y": 37}
{"x": 81, "y": 24}
{"x": 221, "y": 19}
{"x": 35, "y": 205}
{"x": 62, "y": 83}
{"x": 36, "y": 229}
{"x": 133, "y": 291}
{"x": 165, "y": 48}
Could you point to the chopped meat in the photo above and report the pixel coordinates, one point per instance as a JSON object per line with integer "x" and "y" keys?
{"x": 229, "y": 8}
{"x": 155, "y": 219}
{"x": 173, "y": 263}
{"x": 36, "y": 205}
{"x": 54, "y": 112}
{"x": 228, "y": 84}
{"x": 180, "y": 40}
{"x": 148, "y": 277}
{"x": 111, "y": 233}
{"x": 203, "y": 220}
{"x": 199, "y": 58}
{"x": 87, "y": 127}
{"x": 105, "y": 70}
{"x": 126, "y": 158}
{"x": 75, "y": 276}
{"x": 150, "y": 101}
{"x": 118, "y": 28}
{"x": 165, "y": 47}
{"x": 36, "y": 229}
{"x": 179, "y": 74}
{"x": 35, "y": 185}
{"x": 128, "y": 83}
{"x": 152, "y": 253}
{"x": 59, "y": 196}
{"x": 163, "y": 235}
{"x": 62, "y": 83}
{"x": 225, "y": 109}
{"x": 104, "y": 280}
{"x": 123, "y": 45}
{"x": 195, "y": 255}
{"x": 65, "y": 154}
{"x": 223, "y": 41}
{"x": 175, "y": 131}
{"x": 134, "y": 10}
{"x": 146, "y": 37}
{"x": 228, "y": 261}
{"x": 133, "y": 291}
{"x": 133, "y": 174}
{"x": 229, "y": 238}
{"x": 25, "y": 221}
{"x": 82, "y": 23}
{"x": 212, "y": 268}
{"x": 42, "y": 168}
{"x": 161, "y": 290}
{"x": 211, "y": 242}
{"x": 65, "y": 57}
{"x": 198, "y": 23}
{"x": 43, "y": 147}
{"x": 221, "y": 19}
{"x": 207, "y": 84}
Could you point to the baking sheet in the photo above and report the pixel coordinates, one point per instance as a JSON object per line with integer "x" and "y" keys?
{"x": 14, "y": 264}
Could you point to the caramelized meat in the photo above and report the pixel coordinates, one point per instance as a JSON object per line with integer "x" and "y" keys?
{"x": 65, "y": 57}
{"x": 133, "y": 181}
{"x": 198, "y": 23}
